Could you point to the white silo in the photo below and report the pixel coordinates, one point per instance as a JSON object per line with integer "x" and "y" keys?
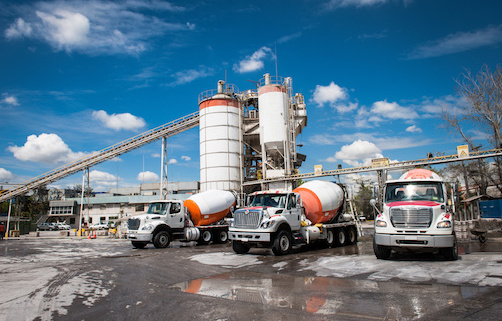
{"x": 220, "y": 139}
{"x": 273, "y": 104}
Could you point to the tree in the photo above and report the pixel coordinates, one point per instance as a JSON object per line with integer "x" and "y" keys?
{"x": 362, "y": 200}
{"x": 483, "y": 110}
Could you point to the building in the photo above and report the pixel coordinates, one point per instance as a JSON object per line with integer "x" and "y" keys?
{"x": 115, "y": 205}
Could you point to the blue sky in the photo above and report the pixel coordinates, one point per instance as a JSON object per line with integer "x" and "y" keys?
{"x": 78, "y": 76}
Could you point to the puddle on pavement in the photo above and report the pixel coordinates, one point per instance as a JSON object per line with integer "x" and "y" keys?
{"x": 359, "y": 299}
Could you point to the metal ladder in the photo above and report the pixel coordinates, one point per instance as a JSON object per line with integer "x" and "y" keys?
{"x": 355, "y": 217}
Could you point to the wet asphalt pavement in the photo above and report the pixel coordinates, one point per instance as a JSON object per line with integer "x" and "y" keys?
{"x": 106, "y": 279}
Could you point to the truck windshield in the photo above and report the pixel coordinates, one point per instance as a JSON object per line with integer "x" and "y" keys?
{"x": 272, "y": 200}
{"x": 158, "y": 208}
{"x": 416, "y": 191}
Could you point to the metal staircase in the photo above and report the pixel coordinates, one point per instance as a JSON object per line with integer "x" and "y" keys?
{"x": 167, "y": 130}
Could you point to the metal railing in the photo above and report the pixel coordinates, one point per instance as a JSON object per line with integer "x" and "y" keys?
{"x": 392, "y": 166}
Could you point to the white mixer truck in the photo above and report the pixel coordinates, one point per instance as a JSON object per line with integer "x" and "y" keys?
{"x": 416, "y": 216}
{"x": 281, "y": 219}
{"x": 200, "y": 218}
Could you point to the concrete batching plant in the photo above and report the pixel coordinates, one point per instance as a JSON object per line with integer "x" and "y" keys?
{"x": 250, "y": 135}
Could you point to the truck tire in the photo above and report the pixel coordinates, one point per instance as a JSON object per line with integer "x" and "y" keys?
{"x": 451, "y": 253}
{"x": 330, "y": 238}
{"x": 139, "y": 245}
{"x": 205, "y": 237}
{"x": 381, "y": 252}
{"x": 221, "y": 237}
{"x": 162, "y": 239}
{"x": 340, "y": 236}
{"x": 351, "y": 235}
{"x": 239, "y": 247}
{"x": 282, "y": 243}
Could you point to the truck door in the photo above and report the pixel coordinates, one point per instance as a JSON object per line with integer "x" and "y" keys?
{"x": 174, "y": 216}
{"x": 293, "y": 212}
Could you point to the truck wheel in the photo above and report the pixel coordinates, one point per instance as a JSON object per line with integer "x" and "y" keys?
{"x": 451, "y": 253}
{"x": 161, "y": 239}
{"x": 221, "y": 236}
{"x": 351, "y": 235}
{"x": 139, "y": 245}
{"x": 340, "y": 237}
{"x": 205, "y": 237}
{"x": 239, "y": 247}
{"x": 381, "y": 252}
{"x": 330, "y": 238}
{"x": 283, "y": 243}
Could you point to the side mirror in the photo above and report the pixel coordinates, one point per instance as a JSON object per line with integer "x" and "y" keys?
{"x": 373, "y": 202}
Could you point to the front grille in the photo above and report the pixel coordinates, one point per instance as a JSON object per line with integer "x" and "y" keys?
{"x": 247, "y": 219}
{"x": 133, "y": 224}
{"x": 411, "y": 217}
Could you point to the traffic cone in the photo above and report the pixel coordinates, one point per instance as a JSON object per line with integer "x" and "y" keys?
{"x": 94, "y": 235}
{"x": 90, "y": 233}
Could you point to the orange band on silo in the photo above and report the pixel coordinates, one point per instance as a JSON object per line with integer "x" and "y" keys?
{"x": 219, "y": 102}
{"x": 271, "y": 88}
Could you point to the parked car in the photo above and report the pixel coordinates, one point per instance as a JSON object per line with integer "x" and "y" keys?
{"x": 99, "y": 226}
{"x": 62, "y": 226}
{"x": 46, "y": 227}
{"x": 362, "y": 218}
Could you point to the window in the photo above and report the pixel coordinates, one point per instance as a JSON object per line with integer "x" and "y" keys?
{"x": 102, "y": 207}
{"x": 139, "y": 208}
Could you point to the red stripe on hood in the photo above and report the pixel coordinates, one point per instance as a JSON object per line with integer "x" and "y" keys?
{"x": 415, "y": 203}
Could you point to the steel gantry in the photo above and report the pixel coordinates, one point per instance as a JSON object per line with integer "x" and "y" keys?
{"x": 391, "y": 166}
{"x": 167, "y": 130}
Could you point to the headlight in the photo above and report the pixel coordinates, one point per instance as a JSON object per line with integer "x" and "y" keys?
{"x": 267, "y": 224}
{"x": 444, "y": 224}
{"x": 147, "y": 227}
{"x": 381, "y": 223}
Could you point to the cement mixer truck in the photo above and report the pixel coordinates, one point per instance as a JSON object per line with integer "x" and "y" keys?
{"x": 200, "y": 218}
{"x": 416, "y": 216}
{"x": 281, "y": 220}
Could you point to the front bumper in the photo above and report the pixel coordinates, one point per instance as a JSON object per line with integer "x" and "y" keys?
{"x": 413, "y": 240}
{"x": 140, "y": 237}
{"x": 248, "y": 236}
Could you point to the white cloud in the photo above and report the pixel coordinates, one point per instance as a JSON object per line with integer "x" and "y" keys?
{"x": 18, "y": 29}
{"x": 124, "y": 121}
{"x": 358, "y": 153}
{"x": 413, "y": 129}
{"x": 102, "y": 177}
{"x": 187, "y": 76}
{"x": 172, "y": 161}
{"x": 458, "y": 42}
{"x": 393, "y": 110}
{"x": 253, "y": 62}
{"x": 335, "y": 4}
{"x": 45, "y": 148}
{"x": 10, "y": 100}
{"x": 64, "y": 29}
{"x": 186, "y": 158}
{"x": 148, "y": 177}
{"x": 96, "y": 27}
{"x": 329, "y": 94}
{"x": 335, "y": 96}
{"x": 5, "y": 175}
